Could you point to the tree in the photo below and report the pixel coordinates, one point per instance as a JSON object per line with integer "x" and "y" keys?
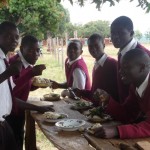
{"x": 138, "y": 34}
{"x": 35, "y": 17}
{"x": 141, "y": 3}
{"x": 147, "y": 35}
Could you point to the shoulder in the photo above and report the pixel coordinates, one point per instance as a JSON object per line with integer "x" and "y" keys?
{"x": 111, "y": 61}
{"x": 142, "y": 47}
{"x": 13, "y": 58}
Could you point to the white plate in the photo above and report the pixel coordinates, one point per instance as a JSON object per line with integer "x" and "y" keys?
{"x": 70, "y": 124}
{"x": 56, "y": 120}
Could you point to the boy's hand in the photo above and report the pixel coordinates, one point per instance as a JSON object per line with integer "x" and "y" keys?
{"x": 102, "y": 96}
{"x": 43, "y": 109}
{"x": 14, "y": 68}
{"x": 55, "y": 85}
{"x": 106, "y": 132}
{"x": 78, "y": 92}
{"x": 38, "y": 69}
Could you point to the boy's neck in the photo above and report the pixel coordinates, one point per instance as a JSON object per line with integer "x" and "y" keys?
{"x": 125, "y": 44}
{"x": 99, "y": 57}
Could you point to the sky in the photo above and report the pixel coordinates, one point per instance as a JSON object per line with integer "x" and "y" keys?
{"x": 82, "y": 15}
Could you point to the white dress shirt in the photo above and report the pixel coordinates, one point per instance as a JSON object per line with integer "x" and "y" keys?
{"x": 79, "y": 77}
{"x": 100, "y": 62}
{"x": 131, "y": 45}
{"x": 24, "y": 62}
{"x": 5, "y": 94}
{"x": 140, "y": 90}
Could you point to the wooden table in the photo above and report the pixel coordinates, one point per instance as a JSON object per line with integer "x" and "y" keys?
{"x": 65, "y": 140}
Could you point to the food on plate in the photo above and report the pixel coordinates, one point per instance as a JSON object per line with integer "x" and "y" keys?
{"x": 82, "y": 104}
{"x": 41, "y": 82}
{"x": 92, "y": 129}
{"x": 97, "y": 115}
{"x": 53, "y": 115}
{"x": 51, "y": 97}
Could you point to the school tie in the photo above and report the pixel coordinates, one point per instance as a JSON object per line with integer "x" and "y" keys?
{"x": 119, "y": 59}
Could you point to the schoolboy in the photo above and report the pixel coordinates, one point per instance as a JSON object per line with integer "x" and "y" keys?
{"x": 134, "y": 113}
{"x": 9, "y": 36}
{"x": 28, "y": 54}
{"x": 75, "y": 68}
{"x": 122, "y": 36}
{"x": 104, "y": 75}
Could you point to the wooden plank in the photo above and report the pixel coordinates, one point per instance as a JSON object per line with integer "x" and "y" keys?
{"x": 41, "y": 103}
{"x": 63, "y": 140}
{"x": 30, "y": 137}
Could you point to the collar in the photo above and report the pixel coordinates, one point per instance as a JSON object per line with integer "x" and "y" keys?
{"x": 131, "y": 45}
{"x": 71, "y": 62}
{"x": 143, "y": 86}
{"x": 2, "y": 55}
{"x": 101, "y": 61}
{"x": 24, "y": 62}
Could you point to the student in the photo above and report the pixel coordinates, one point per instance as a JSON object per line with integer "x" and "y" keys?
{"x": 75, "y": 68}
{"x": 104, "y": 75}
{"x": 28, "y": 54}
{"x": 9, "y": 36}
{"x": 134, "y": 113}
{"x": 122, "y": 33}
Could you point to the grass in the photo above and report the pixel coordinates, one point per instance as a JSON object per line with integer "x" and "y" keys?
{"x": 55, "y": 72}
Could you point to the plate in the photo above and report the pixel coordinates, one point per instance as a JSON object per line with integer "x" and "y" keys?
{"x": 51, "y": 97}
{"x": 82, "y": 105}
{"x": 56, "y": 120}
{"x": 70, "y": 124}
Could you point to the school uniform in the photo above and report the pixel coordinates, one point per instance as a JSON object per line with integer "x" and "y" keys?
{"x": 134, "y": 112}
{"x": 104, "y": 76}
{"x": 7, "y": 140}
{"x": 77, "y": 74}
{"x": 124, "y": 89}
{"x": 23, "y": 86}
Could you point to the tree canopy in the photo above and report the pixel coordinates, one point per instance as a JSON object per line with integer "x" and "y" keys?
{"x": 101, "y": 27}
{"x": 36, "y": 17}
{"x": 144, "y": 4}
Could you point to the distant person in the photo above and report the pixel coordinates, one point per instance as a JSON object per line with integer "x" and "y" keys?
{"x": 28, "y": 54}
{"x": 122, "y": 33}
{"x": 134, "y": 113}
{"x": 75, "y": 69}
{"x": 104, "y": 75}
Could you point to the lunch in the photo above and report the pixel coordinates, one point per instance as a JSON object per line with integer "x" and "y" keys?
{"x": 41, "y": 82}
{"x": 51, "y": 97}
{"x": 82, "y": 105}
{"x": 97, "y": 115}
{"x": 92, "y": 129}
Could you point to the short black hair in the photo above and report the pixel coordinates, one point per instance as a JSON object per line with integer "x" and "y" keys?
{"x": 96, "y": 36}
{"x": 78, "y": 42}
{"x": 123, "y": 21}
{"x": 28, "y": 40}
{"x": 138, "y": 54}
{"x": 4, "y": 26}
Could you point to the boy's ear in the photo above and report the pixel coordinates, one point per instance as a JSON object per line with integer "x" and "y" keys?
{"x": 142, "y": 67}
{"x": 104, "y": 45}
{"x": 81, "y": 51}
{"x": 132, "y": 33}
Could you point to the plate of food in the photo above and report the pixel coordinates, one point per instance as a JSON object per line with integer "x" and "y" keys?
{"x": 97, "y": 115}
{"x": 70, "y": 124}
{"x": 92, "y": 129}
{"x": 54, "y": 117}
{"x": 81, "y": 105}
{"x": 41, "y": 82}
{"x": 51, "y": 97}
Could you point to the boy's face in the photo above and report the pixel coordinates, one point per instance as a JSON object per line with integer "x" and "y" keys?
{"x": 130, "y": 71}
{"x": 31, "y": 53}
{"x": 74, "y": 51}
{"x": 96, "y": 48}
{"x": 9, "y": 40}
{"x": 120, "y": 36}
